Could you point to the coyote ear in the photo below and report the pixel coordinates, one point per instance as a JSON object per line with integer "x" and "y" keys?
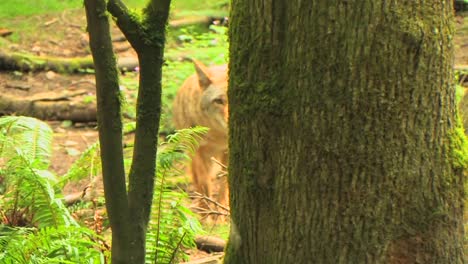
{"x": 203, "y": 74}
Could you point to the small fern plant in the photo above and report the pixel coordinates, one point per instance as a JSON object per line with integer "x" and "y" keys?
{"x": 36, "y": 227}
{"x": 29, "y": 198}
{"x": 62, "y": 244}
{"x": 172, "y": 226}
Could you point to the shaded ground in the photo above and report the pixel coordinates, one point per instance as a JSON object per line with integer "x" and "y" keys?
{"x": 57, "y": 35}
{"x": 69, "y": 143}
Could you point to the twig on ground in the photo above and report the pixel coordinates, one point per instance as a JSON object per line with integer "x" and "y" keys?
{"x": 48, "y": 97}
{"x": 18, "y": 85}
{"x": 66, "y": 22}
{"x": 208, "y": 260}
{"x": 50, "y": 22}
{"x": 223, "y": 172}
{"x": 219, "y": 163}
{"x": 5, "y": 32}
{"x": 82, "y": 82}
{"x": 210, "y": 201}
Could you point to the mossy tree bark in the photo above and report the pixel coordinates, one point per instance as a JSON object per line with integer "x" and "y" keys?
{"x": 345, "y": 144}
{"x": 128, "y": 210}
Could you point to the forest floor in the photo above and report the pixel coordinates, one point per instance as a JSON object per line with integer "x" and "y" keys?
{"x": 57, "y": 35}
{"x": 64, "y": 35}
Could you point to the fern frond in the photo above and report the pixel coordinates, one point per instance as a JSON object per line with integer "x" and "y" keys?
{"x": 49, "y": 245}
{"x": 32, "y": 191}
{"x": 178, "y": 147}
{"x": 186, "y": 139}
{"x": 88, "y": 165}
{"x": 30, "y": 198}
{"x": 172, "y": 226}
{"x": 29, "y": 137}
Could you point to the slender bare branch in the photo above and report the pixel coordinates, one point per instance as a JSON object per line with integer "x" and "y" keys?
{"x": 198, "y": 195}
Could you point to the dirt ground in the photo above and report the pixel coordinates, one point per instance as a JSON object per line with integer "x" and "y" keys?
{"x": 63, "y": 35}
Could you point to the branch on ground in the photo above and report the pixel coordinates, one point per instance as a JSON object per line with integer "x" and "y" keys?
{"x": 47, "y": 107}
{"x": 27, "y": 62}
{"x": 210, "y": 243}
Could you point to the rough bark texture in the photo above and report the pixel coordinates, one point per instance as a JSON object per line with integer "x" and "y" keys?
{"x": 147, "y": 38}
{"x": 129, "y": 215}
{"x": 110, "y": 129}
{"x": 345, "y": 144}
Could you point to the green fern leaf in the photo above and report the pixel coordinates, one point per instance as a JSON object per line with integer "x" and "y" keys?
{"x": 29, "y": 137}
{"x": 172, "y": 225}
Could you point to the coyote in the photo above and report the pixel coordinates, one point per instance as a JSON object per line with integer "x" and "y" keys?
{"x": 202, "y": 101}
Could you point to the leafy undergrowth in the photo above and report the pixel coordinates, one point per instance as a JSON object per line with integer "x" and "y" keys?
{"x": 39, "y": 227}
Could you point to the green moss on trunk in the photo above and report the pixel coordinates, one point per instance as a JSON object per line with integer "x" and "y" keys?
{"x": 128, "y": 212}
{"x": 344, "y": 143}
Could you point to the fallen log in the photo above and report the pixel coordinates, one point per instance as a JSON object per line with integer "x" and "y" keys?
{"x": 208, "y": 260}
{"x": 189, "y": 21}
{"x": 16, "y": 61}
{"x": 5, "y": 32}
{"x": 26, "y": 62}
{"x": 210, "y": 243}
{"x": 48, "y": 107}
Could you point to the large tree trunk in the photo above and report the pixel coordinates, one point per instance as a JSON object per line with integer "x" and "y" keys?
{"x": 345, "y": 143}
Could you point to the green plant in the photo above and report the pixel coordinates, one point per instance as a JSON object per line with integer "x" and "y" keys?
{"x": 63, "y": 244}
{"x": 36, "y": 227}
{"x": 29, "y": 194}
{"x": 13, "y": 8}
{"x": 214, "y": 8}
{"x": 88, "y": 165}
{"x": 172, "y": 226}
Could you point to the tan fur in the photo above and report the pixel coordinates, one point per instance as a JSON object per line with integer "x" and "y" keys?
{"x": 202, "y": 101}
